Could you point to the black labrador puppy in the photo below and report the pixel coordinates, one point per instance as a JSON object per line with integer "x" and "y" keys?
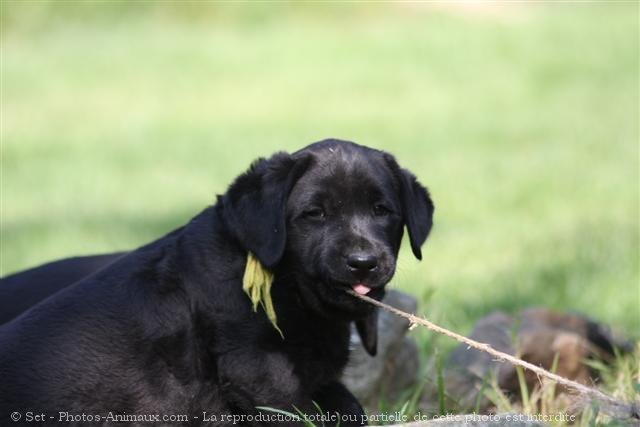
{"x": 167, "y": 330}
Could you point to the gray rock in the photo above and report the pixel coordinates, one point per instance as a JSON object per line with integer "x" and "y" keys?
{"x": 395, "y": 367}
{"x": 401, "y": 369}
{"x": 466, "y": 368}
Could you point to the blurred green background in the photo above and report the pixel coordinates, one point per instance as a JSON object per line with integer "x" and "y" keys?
{"x": 120, "y": 121}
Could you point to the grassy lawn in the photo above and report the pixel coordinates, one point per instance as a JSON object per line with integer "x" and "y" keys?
{"x": 120, "y": 124}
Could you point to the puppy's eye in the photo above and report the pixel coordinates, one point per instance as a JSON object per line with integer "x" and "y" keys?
{"x": 380, "y": 209}
{"x": 314, "y": 213}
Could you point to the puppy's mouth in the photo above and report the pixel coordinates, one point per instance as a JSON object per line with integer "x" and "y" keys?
{"x": 334, "y": 298}
{"x": 373, "y": 292}
{"x": 338, "y": 299}
{"x": 361, "y": 288}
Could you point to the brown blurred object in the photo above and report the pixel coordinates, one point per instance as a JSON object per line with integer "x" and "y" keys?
{"x": 536, "y": 336}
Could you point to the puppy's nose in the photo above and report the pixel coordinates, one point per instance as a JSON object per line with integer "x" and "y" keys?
{"x": 361, "y": 262}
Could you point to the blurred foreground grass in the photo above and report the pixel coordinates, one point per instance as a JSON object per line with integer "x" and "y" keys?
{"x": 119, "y": 124}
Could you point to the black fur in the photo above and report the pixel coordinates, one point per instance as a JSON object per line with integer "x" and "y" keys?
{"x": 168, "y": 329}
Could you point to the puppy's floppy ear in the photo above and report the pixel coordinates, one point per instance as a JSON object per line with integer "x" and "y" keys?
{"x": 368, "y": 330}
{"x": 417, "y": 207}
{"x": 254, "y": 205}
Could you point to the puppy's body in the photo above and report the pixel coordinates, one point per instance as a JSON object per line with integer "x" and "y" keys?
{"x": 167, "y": 328}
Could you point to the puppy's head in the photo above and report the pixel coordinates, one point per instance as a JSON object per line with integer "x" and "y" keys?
{"x": 331, "y": 216}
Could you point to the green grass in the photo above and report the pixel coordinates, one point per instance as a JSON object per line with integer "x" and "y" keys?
{"x": 120, "y": 124}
